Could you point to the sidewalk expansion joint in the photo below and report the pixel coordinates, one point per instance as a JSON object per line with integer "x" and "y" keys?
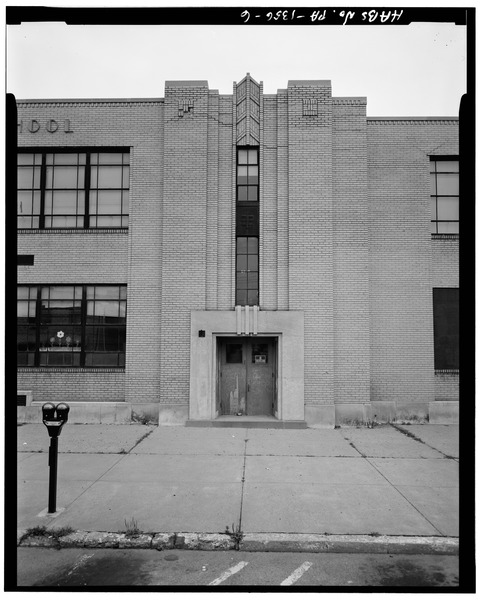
{"x": 399, "y": 491}
{"x": 251, "y": 542}
{"x": 243, "y": 487}
{"x": 417, "y": 439}
{"x": 144, "y": 437}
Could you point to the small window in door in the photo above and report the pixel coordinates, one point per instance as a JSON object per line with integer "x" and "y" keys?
{"x": 234, "y": 353}
{"x": 260, "y": 354}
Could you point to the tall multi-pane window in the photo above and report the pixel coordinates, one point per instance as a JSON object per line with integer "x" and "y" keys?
{"x": 71, "y": 325}
{"x": 446, "y": 328}
{"x": 247, "y": 270}
{"x": 73, "y": 189}
{"x": 444, "y": 194}
{"x": 247, "y": 227}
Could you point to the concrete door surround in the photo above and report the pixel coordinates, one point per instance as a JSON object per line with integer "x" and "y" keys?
{"x": 205, "y": 330}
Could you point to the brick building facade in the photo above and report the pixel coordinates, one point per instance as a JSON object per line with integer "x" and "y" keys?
{"x": 282, "y": 256}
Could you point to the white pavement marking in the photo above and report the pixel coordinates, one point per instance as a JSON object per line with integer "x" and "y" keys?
{"x": 79, "y": 562}
{"x": 295, "y": 576}
{"x": 228, "y": 573}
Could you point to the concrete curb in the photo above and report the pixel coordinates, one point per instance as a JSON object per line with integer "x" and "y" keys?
{"x": 251, "y": 542}
{"x": 381, "y": 544}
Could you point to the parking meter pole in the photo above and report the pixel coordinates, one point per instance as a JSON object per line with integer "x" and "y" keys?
{"x": 52, "y": 484}
{"x": 54, "y": 418}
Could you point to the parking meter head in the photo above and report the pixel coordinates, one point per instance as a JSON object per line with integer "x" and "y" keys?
{"x": 55, "y": 417}
{"x": 62, "y": 412}
{"x": 48, "y": 412}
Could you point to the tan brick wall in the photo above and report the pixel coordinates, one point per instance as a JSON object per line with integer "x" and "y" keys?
{"x": 73, "y": 385}
{"x": 211, "y": 289}
{"x": 185, "y": 192}
{"x": 447, "y": 384}
{"x": 282, "y": 201}
{"x": 350, "y": 251}
{"x": 74, "y": 257}
{"x": 104, "y": 257}
{"x": 344, "y": 220}
{"x": 226, "y": 207}
{"x": 268, "y": 206}
{"x": 446, "y": 273}
{"x": 445, "y": 261}
{"x": 310, "y": 195}
{"x": 401, "y": 254}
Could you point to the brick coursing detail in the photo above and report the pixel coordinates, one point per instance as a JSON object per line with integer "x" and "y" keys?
{"x": 73, "y": 386}
{"x": 226, "y": 206}
{"x": 401, "y": 255}
{"x": 184, "y": 257}
{"x": 447, "y": 386}
{"x": 350, "y": 253}
{"x": 445, "y": 261}
{"x": 345, "y": 238}
{"x": 106, "y": 257}
{"x": 310, "y": 223}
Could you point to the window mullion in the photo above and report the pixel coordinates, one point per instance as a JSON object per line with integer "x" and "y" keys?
{"x": 83, "y": 320}
{"x": 38, "y": 307}
{"x": 86, "y": 223}
{"x": 43, "y": 183}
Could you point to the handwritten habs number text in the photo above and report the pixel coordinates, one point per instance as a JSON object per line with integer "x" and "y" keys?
{"x": 328, "y": 15}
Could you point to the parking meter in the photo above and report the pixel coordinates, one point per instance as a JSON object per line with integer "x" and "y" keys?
{"x": 48, "y": 410}
{"x": 54, "y": 418}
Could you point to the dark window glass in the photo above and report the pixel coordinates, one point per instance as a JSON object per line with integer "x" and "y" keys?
{"x": 234, "y": 353}
{"x": 71, "y": 326}
{"x": 105, "y": 325}
{"x": 446, "y": 327}
{"x": 247, "y": 271}
{"x": 73, "y": 190}
{"x": 247, "y": 220}
{"x": 247, "y": 226}
{"x": 444, "y": 190}
{"x": 241, "y": 297}
{"x": 25, "y": 259}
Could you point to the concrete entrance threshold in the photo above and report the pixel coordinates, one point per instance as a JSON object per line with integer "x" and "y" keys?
{"x": 258, "y": 422}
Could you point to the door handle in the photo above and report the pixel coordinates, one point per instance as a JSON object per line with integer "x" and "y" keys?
{"x": 248, "y": 387}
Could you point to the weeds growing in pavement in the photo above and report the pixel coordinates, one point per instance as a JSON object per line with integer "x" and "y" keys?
{"x": 131, "y": 527}
{"x": 235, "y": 534}
{"x": 38, "y": 531}
{"x": 42, "y": 531}
{"x": 141, "y": 419}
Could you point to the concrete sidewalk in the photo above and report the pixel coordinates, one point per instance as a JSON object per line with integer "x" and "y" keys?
{"x": 372, "y": 489}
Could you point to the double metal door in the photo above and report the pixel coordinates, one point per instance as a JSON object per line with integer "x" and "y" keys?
{"x": 247, "y": 372}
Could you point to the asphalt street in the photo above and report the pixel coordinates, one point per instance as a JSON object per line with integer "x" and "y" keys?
{"x": 88, "y": 567}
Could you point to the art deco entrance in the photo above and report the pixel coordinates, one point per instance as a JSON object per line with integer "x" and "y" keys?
{"x": 247, "y": 376}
